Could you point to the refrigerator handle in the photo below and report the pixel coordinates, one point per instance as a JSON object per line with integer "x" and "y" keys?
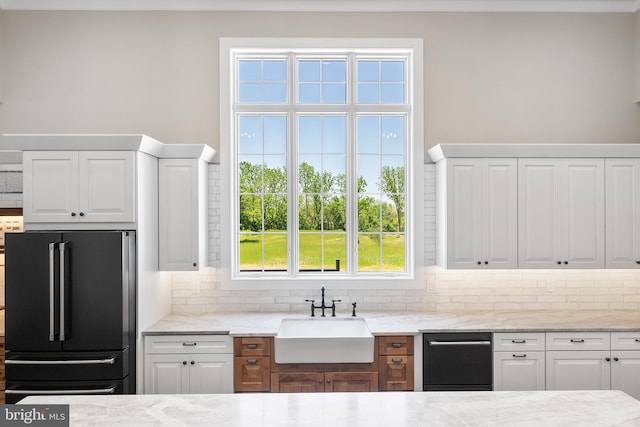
{"x": 52, "y": 282}
{"x": 62, "y": 286}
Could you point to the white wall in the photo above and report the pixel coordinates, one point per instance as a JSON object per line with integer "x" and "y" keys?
{"x": 489, "y": 77}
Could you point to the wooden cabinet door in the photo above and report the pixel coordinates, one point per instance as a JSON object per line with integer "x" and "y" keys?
{"x": 395, "y": 373}
{"x": 210, "y": 373}
{"x": 106, "y": 184}
{"x": 50, "y": 186}
{"x": 166, "y": 374}
{"x": 514, "y": 371}
{"x": 252, "y": 374}
{"x": 350, "y": 381}
{"x": 622, "y": 213}
{"x": 625, "y": 372}
{"x": 297, "y": 382}
{"x": 578, "y": 370}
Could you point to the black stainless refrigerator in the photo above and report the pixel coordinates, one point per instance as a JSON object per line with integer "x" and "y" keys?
{"x": 70, "y": 313}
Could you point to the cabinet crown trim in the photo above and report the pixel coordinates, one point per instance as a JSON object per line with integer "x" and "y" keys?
{"x": 442, "y": 151}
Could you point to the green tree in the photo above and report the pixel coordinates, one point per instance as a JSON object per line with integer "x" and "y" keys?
{"x": 392, "y": 185}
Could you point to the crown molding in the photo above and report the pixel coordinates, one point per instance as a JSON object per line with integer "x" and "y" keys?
{"x": 592, "y": 6}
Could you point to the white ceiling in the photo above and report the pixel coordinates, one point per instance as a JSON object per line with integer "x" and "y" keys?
{"x": 619, "y": 6}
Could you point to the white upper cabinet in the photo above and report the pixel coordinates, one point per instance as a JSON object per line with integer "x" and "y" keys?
{"x": 623, "y": 213}
{"x": 561, "y": 213}
{"x": 183, "y": 214}
{"x": 79, "y": 186}
{"x": 481, "y": 215}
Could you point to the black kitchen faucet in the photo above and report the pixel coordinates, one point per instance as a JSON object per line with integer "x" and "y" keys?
{"x": 322, "y": 306}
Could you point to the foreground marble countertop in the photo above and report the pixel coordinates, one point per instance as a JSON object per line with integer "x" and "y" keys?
{"x": 251, "y": 323}
{"x": 537, "y": 408}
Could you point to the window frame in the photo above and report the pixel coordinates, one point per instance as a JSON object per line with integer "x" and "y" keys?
{"x": 229, "y": 48}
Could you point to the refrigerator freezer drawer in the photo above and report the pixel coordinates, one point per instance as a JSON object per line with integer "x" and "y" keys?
{"x": 17, "y": 390}
{"x": 67, "y": 366}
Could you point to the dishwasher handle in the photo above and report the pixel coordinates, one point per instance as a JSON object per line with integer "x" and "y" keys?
{"x": 458, "y": 343}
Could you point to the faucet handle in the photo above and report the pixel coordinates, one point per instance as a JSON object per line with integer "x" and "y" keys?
{"x": 310, "y": 300}
{"x": 336, "y": 300}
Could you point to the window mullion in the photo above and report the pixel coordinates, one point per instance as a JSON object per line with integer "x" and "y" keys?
{"x": 352, "y": 187}
{"x": 292, "y": 172}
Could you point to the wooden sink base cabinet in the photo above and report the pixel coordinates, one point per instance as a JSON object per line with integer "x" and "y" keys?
{"x": 255, "y": 369}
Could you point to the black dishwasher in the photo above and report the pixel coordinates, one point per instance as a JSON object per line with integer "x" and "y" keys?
{"x": 457, "y": 361}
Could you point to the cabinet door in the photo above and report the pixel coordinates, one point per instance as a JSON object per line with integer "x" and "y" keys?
{"x": 106, "y": 186}
{"x": 622, "y": 213}
{"x": 583, "y": 245}
{"x": 182, "y": 215}
{"x": 499, "y": 213}
{"x": 578, "y": 370}
{"x": 297, "y": 382}
{"x": 395, "y": 373}
{"x": 625, "y": 372}
{"x": 166, "y": 374}
{"x": 538, "y": 225}
{"x": 50, "y": 186}
{"x": 252, "y": 374}
{"x": 350, "y": 381}
{"x": 518, "y": 371}
{"x": 561, "y": 213}
{"x": 210, "y": 373}
{"x": 463, "y": 213}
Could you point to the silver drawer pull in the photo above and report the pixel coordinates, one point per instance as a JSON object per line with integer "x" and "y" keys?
{"x": 252, "y": 362}
{"x": 518, "y": 341}
{"x": 396, "y": 360}
{"x": 396, "y": 345}
{"x": 189, "y": 344}
{"x": 520, "y": 355}
{"x": 252, "y": 346}
{"x": 109, "y": 361}
{"x": 577, "y": 341}
{"x": 109, "y": 390}
{"x": 456, "y": 343}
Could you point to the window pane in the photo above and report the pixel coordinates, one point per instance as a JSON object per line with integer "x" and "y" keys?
{"x": 249, "y": 134}
{"x": 275, "y": 135}
{"x": 393, "y": 258}
{"x": 393, "y": 213}
{"x": 392, "y": 93}
{"x": 250, "y": 252}
{"x": 262, "y": 81}
{"x": 334, "y": 134}
{"x": 335, "y": 252}
{"x": 250, "y": 174}
{"x": 368, "y": 93}
{"x": 368, "y": 252}
{"x": 275, "y": 252}
{"x": 335, "y": 212}
{"x": 368, "y": 213}
{"x": 368, "y": 173}
{"x": 309, "y": 134}
{"x": 322, "y": 81}
{"x": 309, "y": 93}
{"x": 250, "y": 213}
{"x": 275, "y": 175}
{"x": 368, "y": 71}
{"x": 392, "y": 71}
{"x": 381, "y": 82}
{"x": 392, "y": 130}
{"x": 368, "y": 134}
{"x": 310, "y": 257}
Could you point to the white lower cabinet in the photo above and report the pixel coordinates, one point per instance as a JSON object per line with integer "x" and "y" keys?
{"x": 181, "y": 364}
{"x": 567, "y": 361}
{"x": 518, "y": 361}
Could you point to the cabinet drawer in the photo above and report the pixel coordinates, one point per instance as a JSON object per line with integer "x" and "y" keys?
{"x": 395, "y": 345}
{"x": 625, "y": 340}
{"x": 188, "y": 344}
{"x": 252, "y": 374}
{"x": 395, "y": 373}
{"x": 252, "y": 346}
{"x": 533, "y": 341}
{"x": 578, "y": 341}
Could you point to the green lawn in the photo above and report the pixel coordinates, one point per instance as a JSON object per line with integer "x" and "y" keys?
{"x": 275, "y": 248}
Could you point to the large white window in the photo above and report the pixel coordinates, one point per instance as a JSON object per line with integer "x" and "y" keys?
{"x": 321, "y": 154}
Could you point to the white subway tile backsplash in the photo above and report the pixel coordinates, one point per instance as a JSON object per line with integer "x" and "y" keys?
{"x": 444, "y": 290}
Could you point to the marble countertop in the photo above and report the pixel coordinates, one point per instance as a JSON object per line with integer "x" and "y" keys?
{"x": 535, "y": 408}
{"x": 251, "y": 323}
